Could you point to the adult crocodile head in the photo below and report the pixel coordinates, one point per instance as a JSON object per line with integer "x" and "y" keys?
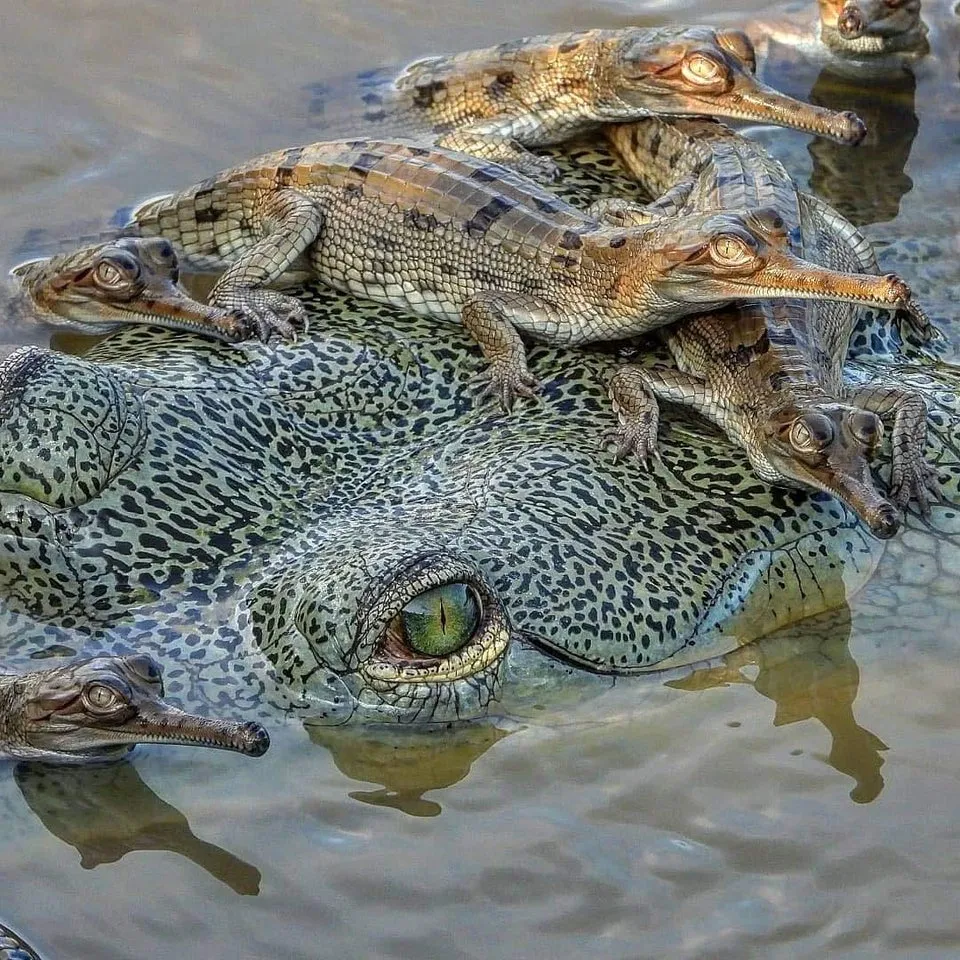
{"x": 828, "y": 446}
{"x": 708, "y": 260}
{"x": 706, "y": 72}
{"x": 94, "y": 709}
{"x": 100, "y": 287}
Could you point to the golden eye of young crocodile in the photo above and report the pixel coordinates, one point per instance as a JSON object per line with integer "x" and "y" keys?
{"x": 118, "y": 271}
{"x": 812, "y": 432}
{"x": 99, "y": 698}
{"x": 700, "y": 68}
{"x": 730, "y": 250}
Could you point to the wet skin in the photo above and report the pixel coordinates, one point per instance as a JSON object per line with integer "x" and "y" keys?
{"x": 336, "y": 529}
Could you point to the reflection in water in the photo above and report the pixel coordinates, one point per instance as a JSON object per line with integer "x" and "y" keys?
{"x": 406, "y": 765}
{"x": 108, "y": 811}
{"x": 808, "y": 672}
{"x": 866, "y": 183}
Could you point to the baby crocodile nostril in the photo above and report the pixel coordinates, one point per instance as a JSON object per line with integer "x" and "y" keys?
{"x": 850, "y": 25}
{"x": 253, "y": 739}
{"x": 885, "y": 524}
{"x": 855, "y": 130}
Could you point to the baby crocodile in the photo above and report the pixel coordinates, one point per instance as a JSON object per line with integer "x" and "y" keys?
{"x": 102, "y": 286}
{"x": 771, "y": 375}
{"x": 539, "y": 91}
{"x": 456, "y": 237}
{"x": 97, "y": 708}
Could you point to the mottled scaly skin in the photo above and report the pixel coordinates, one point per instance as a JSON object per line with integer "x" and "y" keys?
{"x": 538, "y": 91}
{"x": 759, "y": 369}
{"x": 452, "y": 236}
{"x": 256, "y": 518}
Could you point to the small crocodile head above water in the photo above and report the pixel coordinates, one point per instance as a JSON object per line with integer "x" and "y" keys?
{"x": 871, "y": 27}
{"x": 828, "y": 446}
{"x": 102, "y": 286}
{"x": 98, "y": 708}
{"x": 708, "y": 72}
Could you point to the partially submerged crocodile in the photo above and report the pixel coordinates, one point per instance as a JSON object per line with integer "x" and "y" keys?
{"x": 335, "y": 529}
{"x": 538, "y": 91}
{"x": 448, "y": 235}
{"x": 99, "y": 708}
{"x": 102, "y": 286}
{"x": 771, "y": 375}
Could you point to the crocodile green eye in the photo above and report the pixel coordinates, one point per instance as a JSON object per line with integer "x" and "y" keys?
{"x": 702, "y": 69}
{"x": 440, "y": 621}
{"x": 100, "y": 698}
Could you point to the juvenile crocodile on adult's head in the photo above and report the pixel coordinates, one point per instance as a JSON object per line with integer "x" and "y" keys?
{"x": 537, "y": 91}
{"x": 129, "y": 280}
{"x": 98, "y": 708}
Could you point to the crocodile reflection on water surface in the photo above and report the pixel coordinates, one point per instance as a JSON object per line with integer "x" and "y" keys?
{"x": 271, "y": 523}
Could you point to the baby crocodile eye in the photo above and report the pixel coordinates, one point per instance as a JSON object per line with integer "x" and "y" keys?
{"x": 731, "y": 250}
{"x": 440, "y": 621}
{"x": 702, "y": 69}
{"x": 811, "y": 432}
{"x": 100, "y": 698}
{"x": 866, "y": 427}
{"x": 118, "y": 271}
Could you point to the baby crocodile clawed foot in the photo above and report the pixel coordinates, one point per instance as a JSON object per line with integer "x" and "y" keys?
{"x": 636, "y": 436}
{"x": 264, "y": 312}
{"x": 506, "y": 381}
{"x": 915, "y": 481}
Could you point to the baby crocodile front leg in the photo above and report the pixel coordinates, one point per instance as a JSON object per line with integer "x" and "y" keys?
{"x": 911, "y": 476}
{"x": 289, "y": 223}
{"x": 634, "y": 391}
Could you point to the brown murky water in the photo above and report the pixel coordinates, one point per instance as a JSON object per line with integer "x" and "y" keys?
{"x": 800, "y": 800}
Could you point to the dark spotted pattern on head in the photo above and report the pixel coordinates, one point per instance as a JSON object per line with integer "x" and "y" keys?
{"x": 245, "y": 515}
